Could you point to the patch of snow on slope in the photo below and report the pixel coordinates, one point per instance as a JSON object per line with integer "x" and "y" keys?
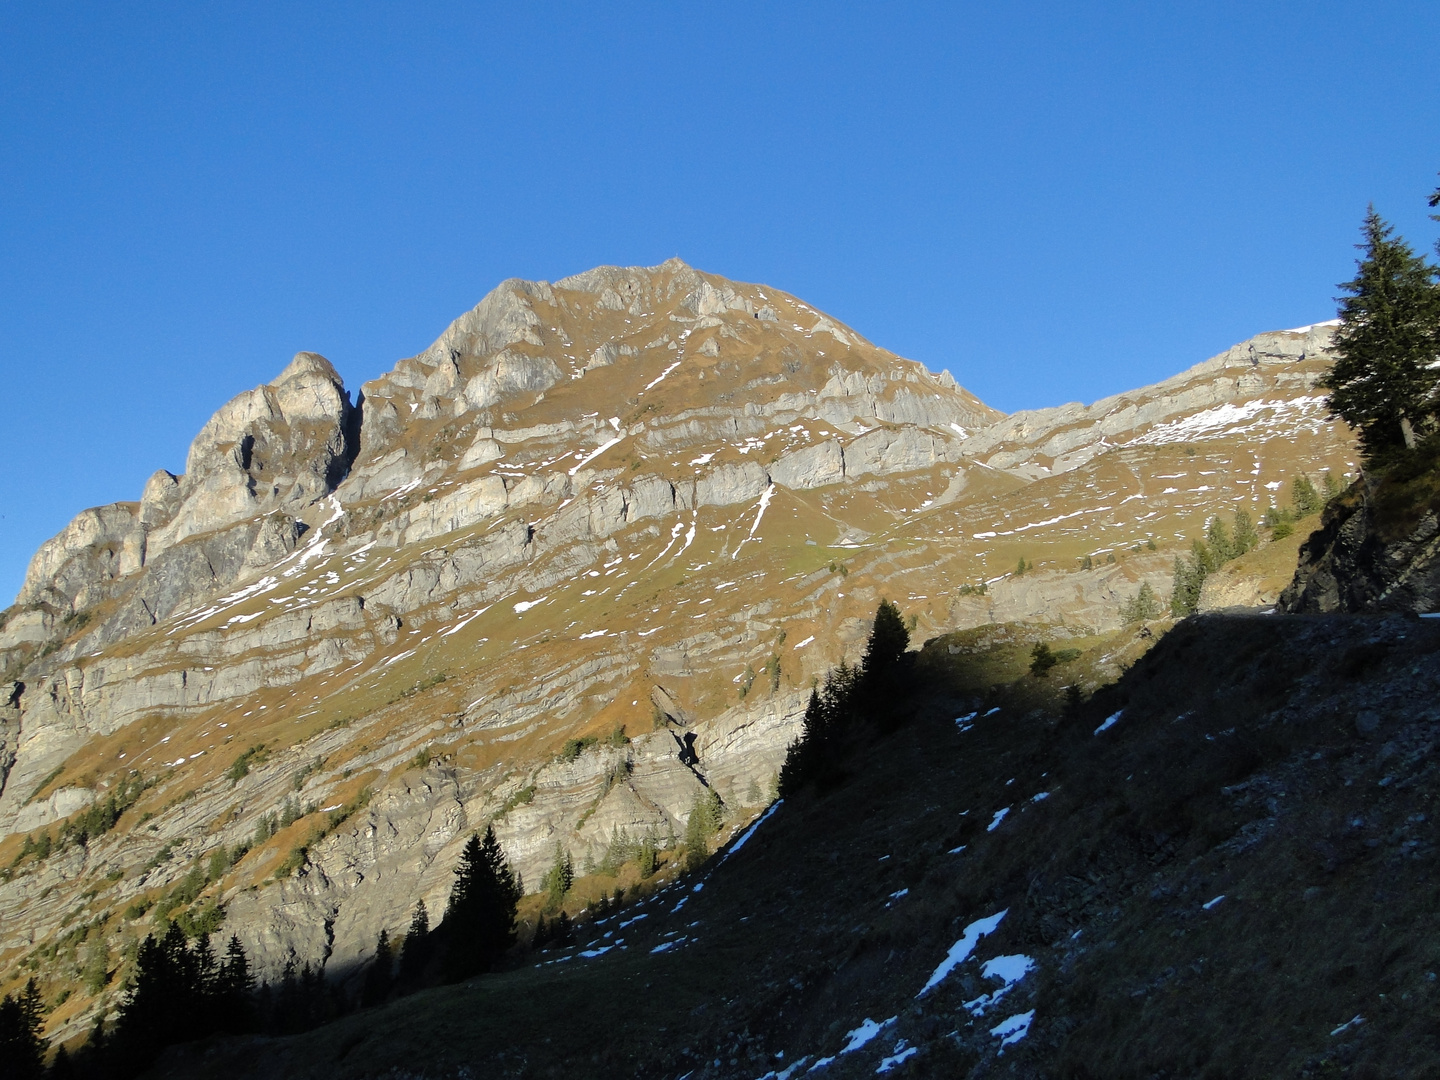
{"x": 961, "y": 950}
{"x": 655, "y": 381}
{"x": 594, "y": 454}
{"x": 1009, "y": 970}
{"x": 745, "y": 836}
{"x": 902, "y": 1052}
{"x": 760, "y": 513}
{"x": 1013, "y": 1028}
{"x": 1109, "y": 722}
{"x": 1256, "y": 417}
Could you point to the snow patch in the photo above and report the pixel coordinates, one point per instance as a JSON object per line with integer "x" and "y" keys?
{"x": 961, "y": 950}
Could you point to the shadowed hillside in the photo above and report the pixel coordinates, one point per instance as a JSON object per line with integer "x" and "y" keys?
{"x": 1223, "y": 864}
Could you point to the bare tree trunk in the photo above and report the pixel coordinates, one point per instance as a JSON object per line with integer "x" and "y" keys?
{"x": 1407, "y": 430}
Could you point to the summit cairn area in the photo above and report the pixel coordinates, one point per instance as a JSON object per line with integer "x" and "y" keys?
{"x": 569, "y": 569}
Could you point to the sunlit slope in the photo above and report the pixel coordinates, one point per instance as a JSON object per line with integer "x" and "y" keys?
{"x": 641, "y": 508}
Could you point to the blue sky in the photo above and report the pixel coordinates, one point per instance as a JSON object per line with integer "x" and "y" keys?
{"x": 1054, "y": 201}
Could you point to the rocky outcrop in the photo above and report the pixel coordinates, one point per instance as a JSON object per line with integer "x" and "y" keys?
{"x": 1361, "y": 559}
{"x": 259, "y": 462}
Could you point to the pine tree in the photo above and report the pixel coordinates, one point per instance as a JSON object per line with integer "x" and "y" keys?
{"x": 1304, "y": 498}
{"x": 415, "y": 950}
{"x": 1246, "y": 538}
{"x": 706, "y": 813}
{"x": 558, "y": 879}
{"x": 1381, "y": 382}
{"x": 1142, "y": 607}
{"x": 22, "y": 1047}
{"x": 380, "y": 976}
{"x": 1217, "y": 538}
{"x": 479, "y": 923}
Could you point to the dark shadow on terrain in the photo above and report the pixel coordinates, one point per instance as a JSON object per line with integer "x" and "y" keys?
{"x": 1284, "y": 765}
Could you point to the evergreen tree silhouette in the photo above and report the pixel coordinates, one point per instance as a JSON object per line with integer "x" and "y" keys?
{"x": 416, "y": 950}
{"x": 381, "y": 974}
{"x": 479, "y": 924}
{"x": 22, "y": 1048}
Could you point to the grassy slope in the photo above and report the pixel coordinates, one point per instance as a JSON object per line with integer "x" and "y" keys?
{"x": 1235, "y": 769}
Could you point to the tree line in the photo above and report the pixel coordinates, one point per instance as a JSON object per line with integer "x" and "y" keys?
{"x": 179, "y": 990}
{"x": 852, "y": 699}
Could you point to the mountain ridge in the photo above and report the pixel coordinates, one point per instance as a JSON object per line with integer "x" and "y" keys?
{"x": 644, "y": 499}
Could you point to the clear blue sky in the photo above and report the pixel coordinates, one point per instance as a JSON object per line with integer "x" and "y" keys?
{"x": 1055, "y": 201}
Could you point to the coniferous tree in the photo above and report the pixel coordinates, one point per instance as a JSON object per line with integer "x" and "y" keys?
{"x": 479, "y": 923}
{"x": 803, "y": 757}
{"x": 1041, "y": 660}
{"x": 888, "y": 641}
{"x": 558, "y": 879}
{"x": 1218, "y": 540}
{"x": 1185, "y": 587}
{"x": 381, "y": 974}
{"x": 416, "y": 949}
{"x": 1142, "y": 607}
{"x": 234, "y": 987}
{"x": 1381, "y": 382}
{"x": 882, "y": 668}
{"x": 706, "y": 814}
{"x": 1246, "y": 538}
{"x": 22, "y": 1047}
{"x": 1304, "y": 498}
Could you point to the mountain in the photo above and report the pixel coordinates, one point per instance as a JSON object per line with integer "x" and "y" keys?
{"x": 577, "y": 563}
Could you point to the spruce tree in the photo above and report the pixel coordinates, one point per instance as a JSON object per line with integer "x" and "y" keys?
{"x": 1246, "y": 538}
{"x": 558, "y": 879}
{"x": 234, "y": 985}
{"x": 705, "y": 816}
{"x": 1185, "y": 588}
{"x": 888, "y": 641}
{"x": 22, "y": 1047}
{"x": 1217, "y": 538}
{"x": 479, "y": 924}
{"x": 380, "y": 976}
{"x": 1304, "y": 498}
{"x": 415, "y": 951}
{"x": 1142, "y": 607}
{"x": 1381, "y": 382}
{"x": 1041, "y": 660}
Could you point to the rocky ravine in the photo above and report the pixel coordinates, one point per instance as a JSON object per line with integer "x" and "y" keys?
{"x": 641, "y": 497}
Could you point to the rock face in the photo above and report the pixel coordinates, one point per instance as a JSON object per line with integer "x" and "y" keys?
{"x": 1361, "y": 559}
{"x": 639, "y": 507}
{"x": 264, "y": 457}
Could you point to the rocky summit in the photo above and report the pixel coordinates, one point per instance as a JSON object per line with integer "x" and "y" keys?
{"x": 576, "y": 563}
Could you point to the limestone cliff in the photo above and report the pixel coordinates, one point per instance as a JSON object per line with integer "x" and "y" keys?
{"x": 574, "y": 562}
